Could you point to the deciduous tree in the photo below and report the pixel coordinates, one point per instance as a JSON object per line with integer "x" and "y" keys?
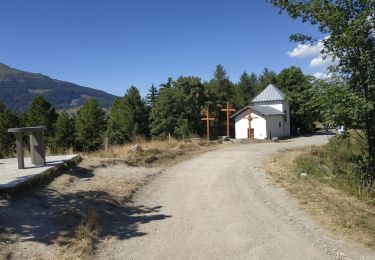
{"x": 351, "y": 29}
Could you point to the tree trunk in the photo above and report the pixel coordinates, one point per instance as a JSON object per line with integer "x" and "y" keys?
{"x": 369, "y": 178}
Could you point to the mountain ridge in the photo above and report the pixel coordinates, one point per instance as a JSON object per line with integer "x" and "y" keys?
{"x": 18, "y": 88}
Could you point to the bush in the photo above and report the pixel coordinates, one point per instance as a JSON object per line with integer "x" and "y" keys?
{"x": 340, "y": 163}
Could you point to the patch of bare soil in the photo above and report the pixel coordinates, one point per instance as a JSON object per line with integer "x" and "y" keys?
{"x": 68, "y": 217}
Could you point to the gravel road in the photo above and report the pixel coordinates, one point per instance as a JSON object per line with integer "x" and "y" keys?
{"x": 220, "y": 205}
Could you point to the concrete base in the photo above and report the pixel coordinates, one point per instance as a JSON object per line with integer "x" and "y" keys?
{"x": 11, "y": 177}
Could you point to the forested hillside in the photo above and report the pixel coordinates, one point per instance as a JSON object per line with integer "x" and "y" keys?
{"x": 174, "y": 108}
{"x": 18, "y": 88}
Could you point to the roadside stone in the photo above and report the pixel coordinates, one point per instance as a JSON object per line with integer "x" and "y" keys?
{"x": 136, "y": 148}
{"x": 304, "y": 174}
{"x": 275, "y": 139}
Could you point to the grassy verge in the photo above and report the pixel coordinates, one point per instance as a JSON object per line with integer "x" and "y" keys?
{"x": 330, "y": 190}
{"x": 149, "y": 153}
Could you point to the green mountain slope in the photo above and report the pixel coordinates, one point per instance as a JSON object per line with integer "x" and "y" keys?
{"x": 18, "y": 88}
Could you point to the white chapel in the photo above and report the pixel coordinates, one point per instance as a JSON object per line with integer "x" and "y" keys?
{"x": 269, "y": 116}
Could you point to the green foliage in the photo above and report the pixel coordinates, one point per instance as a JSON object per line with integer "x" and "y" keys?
{"x": 63, "y": 137}
{"x": 219, "y": 91}
{"x": 40, "y": 113}
{"x": 128, "y": 118}
{"x": 339, "y": 163}
{"x": 178, "y": 109}
{"x": 8, "y": 119}
{"x": 89, "y": 126}
{"x": 168, "y": 84}
{"x": 267, "y": 77}
{"x": 163, "y": 117}
{"x": 297, "y": 88}
{"x": 152, "y": 96}
{"x": 338, "y": 105}
{"x": 350, "y": 25}
{"x": 245, "y": 89}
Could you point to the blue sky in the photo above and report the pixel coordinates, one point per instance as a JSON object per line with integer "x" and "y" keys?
{"x": 111, "y": 45}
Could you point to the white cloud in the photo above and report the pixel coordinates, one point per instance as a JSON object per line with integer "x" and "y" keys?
{"x": 321, "y": 75}
{"x": 304, "y": 50}
{"x": 320, "y": 62}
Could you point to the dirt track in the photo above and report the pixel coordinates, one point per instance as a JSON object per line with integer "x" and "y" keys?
{"x": 220, "y": 205}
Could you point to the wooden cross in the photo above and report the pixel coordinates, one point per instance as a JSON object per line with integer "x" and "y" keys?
{"x": 208, "y": 119}
{"x": 228, "y": 110}
{"x": 249, "y": 118}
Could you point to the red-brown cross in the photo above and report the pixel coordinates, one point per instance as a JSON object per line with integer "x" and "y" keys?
{"x": 208, "y": 119}
{"x": 249, "y": 118}
{"x": 228, "y": 110}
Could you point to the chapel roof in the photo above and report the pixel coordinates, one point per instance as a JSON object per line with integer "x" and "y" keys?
{"x": 261, "y": 110}
{"x": 270, "y": 93}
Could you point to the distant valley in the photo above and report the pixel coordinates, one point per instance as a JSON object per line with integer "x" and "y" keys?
{"x": 18, "y": 88}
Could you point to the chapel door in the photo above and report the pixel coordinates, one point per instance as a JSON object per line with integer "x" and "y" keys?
{"x": 251, "y": 132}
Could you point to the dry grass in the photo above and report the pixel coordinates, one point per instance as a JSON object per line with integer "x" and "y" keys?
{"x": 155, "y": 152}
{"x": 329, "y": 199}
{"x": 82, "y": 246}
{"x": 5, "y": 253}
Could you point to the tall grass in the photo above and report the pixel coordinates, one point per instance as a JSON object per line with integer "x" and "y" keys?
{"x": 331, "y": 191}
{"x": 340, "y": 164}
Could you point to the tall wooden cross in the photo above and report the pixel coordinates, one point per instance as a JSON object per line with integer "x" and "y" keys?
{"x": 249, "y": 118}
{"x": 228, "y": 110}
{"x": 208, "y": 119}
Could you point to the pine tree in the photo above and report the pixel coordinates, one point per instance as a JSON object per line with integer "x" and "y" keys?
{"x": 63, "y": 138}
{"x": 164, "y": 114}
{"x": 267, "y": 77}
{"x": 167, "y": 85}
{"x": 40, "y": 113}
{"x": 178, "y": 109}
{"x": 128, "y": 118}
{"x": 90, "y": 126}
{"x": 151, "y": 97}
{"x": 219, "y": 91}
{"x": 245, "y": 89}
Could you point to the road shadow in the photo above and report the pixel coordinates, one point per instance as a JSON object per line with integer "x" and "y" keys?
{"x": 47, "y": 216}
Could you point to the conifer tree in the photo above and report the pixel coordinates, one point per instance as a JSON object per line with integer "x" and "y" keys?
{"x": 90, "y": 126}
{"x": 8, "y": 119}
{"x": 128, "y": 118}
{"x": 63, "y": 138}
{"x": 41, "y": 113}
{"x": 151, "y": 97}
